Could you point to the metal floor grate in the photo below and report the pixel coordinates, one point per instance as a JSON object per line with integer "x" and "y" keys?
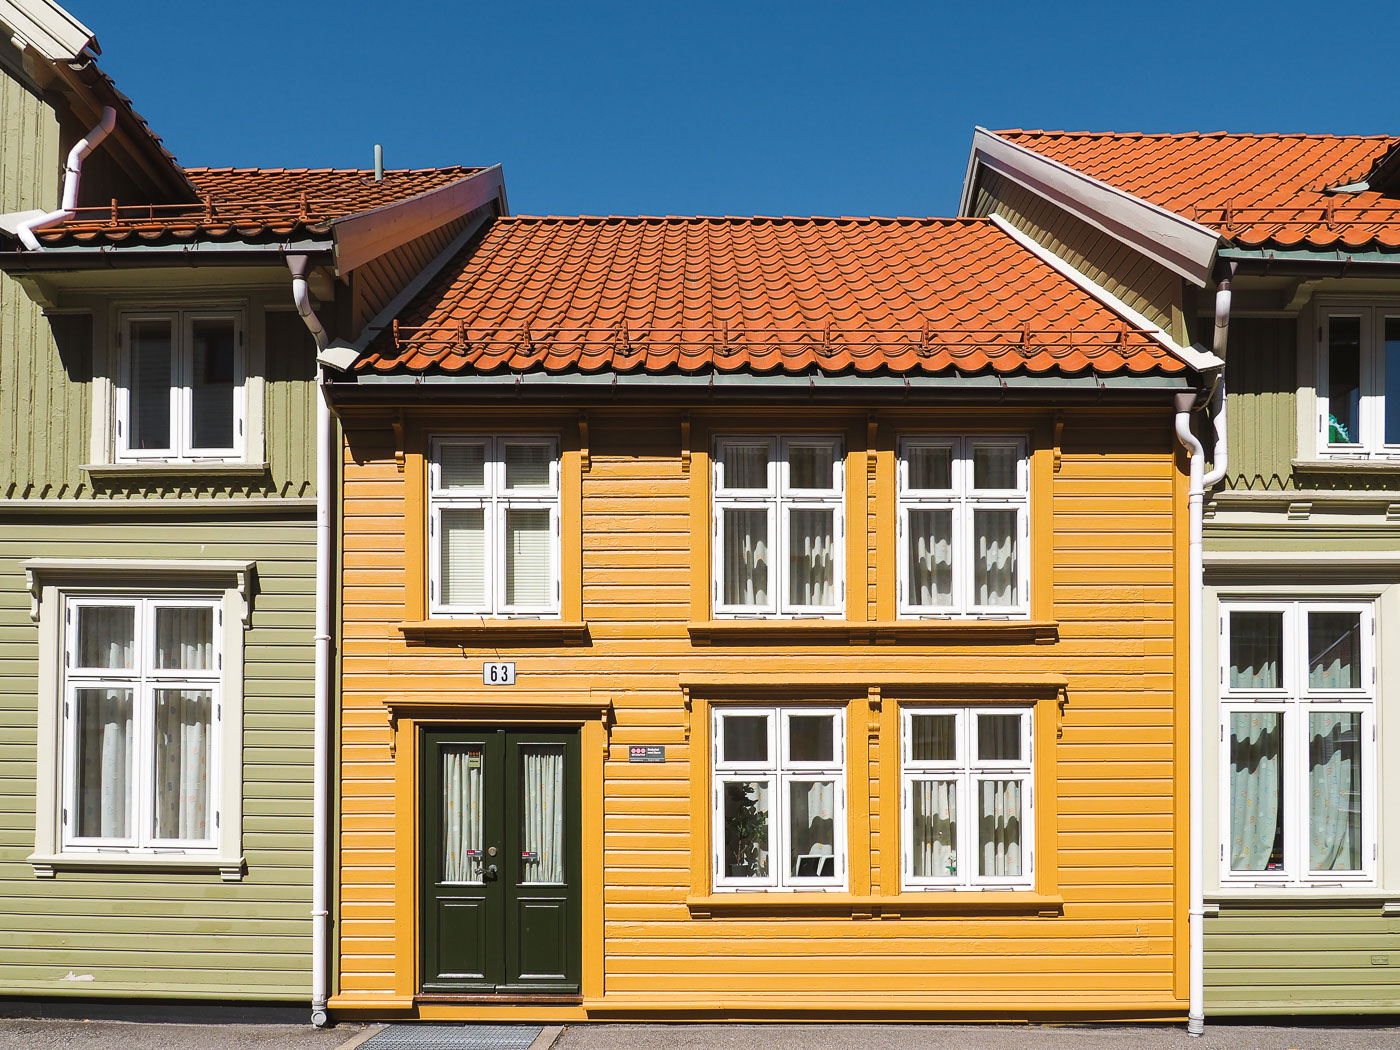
{"x": 454, "y": 1037}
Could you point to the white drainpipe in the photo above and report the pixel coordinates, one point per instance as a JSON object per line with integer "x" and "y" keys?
{"x": 1200, "y": 481}
{"x": 72, "y": 175}
{"x": 320, "y": 831}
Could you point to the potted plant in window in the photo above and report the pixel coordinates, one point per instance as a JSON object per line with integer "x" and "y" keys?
{"x": 745, "y": 832}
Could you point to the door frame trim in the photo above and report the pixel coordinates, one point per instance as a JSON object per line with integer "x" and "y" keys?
{"x": 592, "y": 715}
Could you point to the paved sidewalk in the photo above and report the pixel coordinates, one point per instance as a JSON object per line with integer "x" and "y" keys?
{"x": 26, "y": 1034}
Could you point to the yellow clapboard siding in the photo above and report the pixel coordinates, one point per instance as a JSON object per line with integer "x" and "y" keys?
{"x": 1116, "y": 833}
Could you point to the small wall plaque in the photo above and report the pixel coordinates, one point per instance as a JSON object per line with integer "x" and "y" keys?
{"x": 498, "y": 674}
{"x": 647, "y": 753}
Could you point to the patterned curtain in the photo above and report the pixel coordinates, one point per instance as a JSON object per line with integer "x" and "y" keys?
{"x": 745, "y": 557}
{"x": 543, "y": 774}
{"x": 1256, "y": 782}
{"x": 931, "y": 557}
{"x": 1334, "y": 787}
{"x": 461, "y": 816}
{"x": 994, "y": 568}
{"x": 185, "y": 639}
{"x": 999, "y": 813}
{"x": 811, "y": 558}
{"x": 935, "y": 828}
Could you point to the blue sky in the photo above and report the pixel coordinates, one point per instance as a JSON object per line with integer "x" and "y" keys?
{"x": 671, "y": 107}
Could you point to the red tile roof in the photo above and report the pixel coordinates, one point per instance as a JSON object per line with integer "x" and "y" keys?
{"x": 761, "y": 295}
{"x": 252, "y": 203}
{"x": 1256, "y": 190}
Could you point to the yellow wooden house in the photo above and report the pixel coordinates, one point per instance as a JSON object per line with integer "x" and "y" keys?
{"x": 761, "y": 618}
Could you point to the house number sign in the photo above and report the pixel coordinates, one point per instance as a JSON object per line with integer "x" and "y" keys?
{"x": 498, "y": 674}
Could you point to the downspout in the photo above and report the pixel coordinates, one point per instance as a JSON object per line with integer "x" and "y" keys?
{"x": 1200, "y": 481}
{"x": 320, "y": 835}
{"x": 73, "y": 174}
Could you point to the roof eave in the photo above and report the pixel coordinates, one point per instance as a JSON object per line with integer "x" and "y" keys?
{"x": 1186, "y": 248}
{"x": 1315, "y": 262}
{"x": 189, "y": 253}
{"x": 47, "y": 28}
{"x": 366, "y": 235}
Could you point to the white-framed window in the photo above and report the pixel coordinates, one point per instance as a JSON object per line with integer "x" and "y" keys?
{"x": 1358, "y": 382}
{"x": 1297, "y": 735}
{"x": 779, "y": 526}
{"x": 142, "y": 707}
{"x": 963, "y": 526}
{"x": 779, "y": 795}
{"x": 967, "y": 797}
{"x": 181, "y": 385}
{"x": 493, "y": 526}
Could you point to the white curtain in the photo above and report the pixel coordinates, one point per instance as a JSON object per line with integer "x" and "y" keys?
{"x": 931, "y": 557}
{"x": 461, "y": 815}
{"x": 104, "y": 754}
{"x": 813, "y": 824}
{"x": 745, "y": 557}
{"x": 935, "y": 828}
{"x": 745, "y": 466}
{"x": 994, "y": 568}
{"x": 1334, "y": 787}
{"x": 1000, "y": 816}
{"x": 994, "y": 466}
{"x": 1256, "y": 646}
{"x": 185, "y": 639}
{"x": 543, "y": 773}
{"x": 811, "y": 558}
{"x": 105, "y": 636}
{"x": 182, "y": 763}
{"x": 1256, "y": 782}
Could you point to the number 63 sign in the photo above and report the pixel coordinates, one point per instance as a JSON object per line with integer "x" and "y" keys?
{"x": 498, "y": 674}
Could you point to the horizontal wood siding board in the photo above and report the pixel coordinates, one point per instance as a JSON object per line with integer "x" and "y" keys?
{"x": 1117, "y": 643}
{"x": 170, "y": 934}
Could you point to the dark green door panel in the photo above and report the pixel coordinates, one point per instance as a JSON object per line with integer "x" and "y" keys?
{"x": 501, "y": 864}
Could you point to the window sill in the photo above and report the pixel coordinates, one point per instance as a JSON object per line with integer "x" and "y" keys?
{"x": 230, "y": 869}
{"x": 168, "y": 468}
{"x": 930, "y": 631}
{"x": 496, "y": 632}
{"x": 1345, "y": 465}
{"x": 845, "y": 905}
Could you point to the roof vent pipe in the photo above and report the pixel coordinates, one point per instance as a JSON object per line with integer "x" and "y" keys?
{"x": 72, "y": 174}
{"x": 378, "y": 162}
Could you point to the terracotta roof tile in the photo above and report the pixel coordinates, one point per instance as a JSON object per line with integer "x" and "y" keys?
{"x": 1255, "y": 190}
{"x": 252, "y": 203}
{"x": 759, "y": 295}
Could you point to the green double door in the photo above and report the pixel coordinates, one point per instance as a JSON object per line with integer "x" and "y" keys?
{"x": 500, "y": 903}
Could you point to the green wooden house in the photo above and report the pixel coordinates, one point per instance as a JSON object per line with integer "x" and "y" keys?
{"x": 158, "y": 528}
{"x": 1280, "y": 253}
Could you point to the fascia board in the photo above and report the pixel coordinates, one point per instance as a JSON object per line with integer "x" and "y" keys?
{"x": 47, "y": 28}
{"x": 366, "y": 235}
{"x": 1197, "y": 359}
{"x": 1186, "y": 248}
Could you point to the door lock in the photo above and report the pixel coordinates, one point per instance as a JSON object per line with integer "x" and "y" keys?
{"x": 492, "y": 873}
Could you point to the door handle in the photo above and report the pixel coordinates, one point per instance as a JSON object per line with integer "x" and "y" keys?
{"x": 492, "y": 872}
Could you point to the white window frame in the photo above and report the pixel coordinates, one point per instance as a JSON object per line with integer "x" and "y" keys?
{"x": 1370, "y": 439}
{"x": 962, "y": 500}
{"x": 494, "y": 500}
{"x": 58, "y": 585}
{"x": 181, "y": 448}
{"x": 779, "y": 499}
{"x": 143, "y": 680}
{"x": 965, "y": 771}
{"x": 1295, "y": 702}
{"x": 778, "y": 771}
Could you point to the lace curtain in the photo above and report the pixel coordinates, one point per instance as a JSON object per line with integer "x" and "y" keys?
{"x": 999, "y": 813}
{"x": 934, "y": 808}
{"x": 543, "y": 775}
{"x": 461, "y": 815}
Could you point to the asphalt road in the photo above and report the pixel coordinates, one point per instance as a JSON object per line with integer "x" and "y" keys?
{"x": 18, "y": 1034}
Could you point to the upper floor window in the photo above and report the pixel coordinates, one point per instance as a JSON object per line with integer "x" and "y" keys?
{"x": 1298, "y": 699}
{"x": 180, "y": 386}
{"x": 778, "y": 526}
{"x": 1358, "y": 390}
{"x": 962, "y": 526}
{"x": 493, "y": 526}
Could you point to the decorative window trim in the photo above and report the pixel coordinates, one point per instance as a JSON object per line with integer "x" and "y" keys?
{"x": 779, "y": 499}
{"x": 965, "y": 771}
{"x": 1370, "y": 445}
{"x": 231, "y": 585}
{"x": 961, "y": 501}
{"x": 494, "y": 501}
{"x": 1295, "y": 701}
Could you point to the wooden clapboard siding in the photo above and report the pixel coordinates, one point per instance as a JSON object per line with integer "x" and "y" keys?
{"x": 170, "y": 935}
{"x": 1149, "y": 288}
{"x": 375, "y": 284}
{"x": 1116, "y": 848}
{"x": 1321, "y": 957}
{"x": 1261, "y": 373}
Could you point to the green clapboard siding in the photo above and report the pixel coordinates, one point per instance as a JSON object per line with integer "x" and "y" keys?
{"x": 1261, "y": 375}
{"x": 1281, "y": 960}
{"x": 1150, "y": 289}
{"x": 170, "y": 935}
